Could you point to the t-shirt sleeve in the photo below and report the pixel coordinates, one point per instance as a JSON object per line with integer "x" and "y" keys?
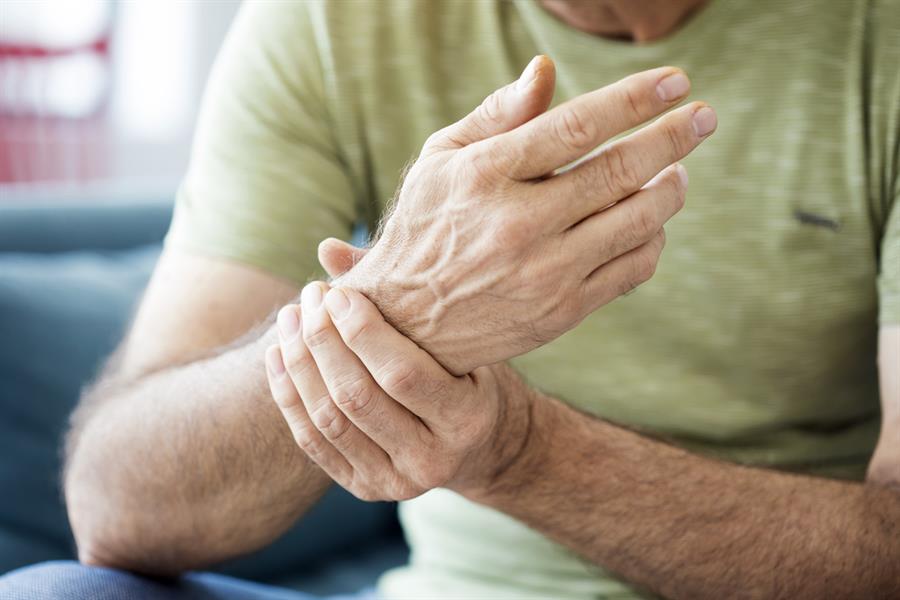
{"x": 266, "y": 181}
{"x": 884, "y": 149}
{"x": 889, "y": 275}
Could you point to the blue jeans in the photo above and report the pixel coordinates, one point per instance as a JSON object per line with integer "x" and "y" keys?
{"x": 68, "y": 580}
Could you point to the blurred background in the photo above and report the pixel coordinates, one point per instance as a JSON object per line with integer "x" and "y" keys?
{"x": 98, "y": 101}
{"x": 98, "y": 98}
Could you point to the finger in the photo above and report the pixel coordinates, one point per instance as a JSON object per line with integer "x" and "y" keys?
{"x": 630, "y": 223}
{"x": 626, "y": 165}
{"x": 402, "y": 369}
{"x": 353, "y": 390}
{"x": 622, "y": 274}
{"x": 337, "y": 256}
{"x": 571, "y": 130}
{"x": 503, "y": 110}
{"x": 362, "y": 454}
{"x": 305, "y": 433}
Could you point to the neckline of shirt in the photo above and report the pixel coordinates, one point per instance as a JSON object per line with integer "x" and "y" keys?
{"x": 569, "y": 43}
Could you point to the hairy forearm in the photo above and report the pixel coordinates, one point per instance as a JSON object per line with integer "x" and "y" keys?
{"x": 185, "y": 467}
{"x": 689, "y": 527}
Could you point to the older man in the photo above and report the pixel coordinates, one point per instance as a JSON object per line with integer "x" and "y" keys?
{"x": 718, "y": 433}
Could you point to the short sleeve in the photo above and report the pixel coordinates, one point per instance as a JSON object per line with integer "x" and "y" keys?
{"x": 889, "y": 277}
{"x": 266, "y": 180}
{"x": 884, "y": 149}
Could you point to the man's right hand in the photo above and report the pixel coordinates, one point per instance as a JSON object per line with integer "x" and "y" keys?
{"x": 491, "y": 251}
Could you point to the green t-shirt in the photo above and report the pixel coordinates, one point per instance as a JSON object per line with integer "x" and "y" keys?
{"x": 755, "y": 341}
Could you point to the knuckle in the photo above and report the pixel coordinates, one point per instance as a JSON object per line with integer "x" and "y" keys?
{"x": 408, "y": 493}
{"x": 402, "y": 487}
{"x": 574, "y": 131}
{"x": 628, "y": 285}
{"x": 435, "y": 138}
{"x": 556, "y": 318}
{"x": 570, "y": 310}
{"x": 431, "y": 471}
{"x": 310, "y": 443}
{"x": 316, "y": 337}
{"x": 645, "y": 266}
{"x": 662, "y": 240}
{"x": 619, "y": 171}
{"x": 299, "y": 425}
{"x": 434, "y": 477}
{"x": 443, "y": 139}
{"x": 358, "y": 327}
{"x": 365, "y": 493}
{"x": 354, "y": 398}
{"x": 295, "y": 357}
{"x": 675, "y": 143}
{"x": 490, "y": 111}
{"x": 483, "y": 167}
{"x": 332, "y": 424}
{"x": 633, "y": 103}
{"x": 514, "y": 230}
{"x": 678, "y": 194}
{"x": 643, "y": 220}
{"x": 401, "y": 380}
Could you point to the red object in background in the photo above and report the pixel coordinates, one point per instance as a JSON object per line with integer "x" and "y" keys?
{"x": 52, "y": 100}
{"x": 98, "y": 98}
{"x": 100, "y": 46}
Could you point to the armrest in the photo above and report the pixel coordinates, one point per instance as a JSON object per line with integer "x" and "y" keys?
{"x": 46, "y": 227}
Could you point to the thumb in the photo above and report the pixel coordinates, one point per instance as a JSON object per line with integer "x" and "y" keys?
{"x": 337, "y": 257}
{"x": 504, "y": 110}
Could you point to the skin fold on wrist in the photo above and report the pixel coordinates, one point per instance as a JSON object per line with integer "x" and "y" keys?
{"x": 515, "y": 450}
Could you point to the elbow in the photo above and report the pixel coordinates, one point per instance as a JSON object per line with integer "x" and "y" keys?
{"x": 96, "y": 552}
{"x": 97, "y": 548}
{"x": 93, "y": 552}
{"x": 100, "y": 546}
{"x": 108, "y": 535}
{"x": 99, "y": 542}
{"x": 112, "y": 525}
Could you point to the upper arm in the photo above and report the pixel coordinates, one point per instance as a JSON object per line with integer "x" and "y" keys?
{"x": 884, "y": 159}
{"x": 268, "y": 179}
{"x": 885, "y": 465}
{"x": 889, "y": 373}
{"x": 266, "y": 184}
{"x": 195, "y": 304}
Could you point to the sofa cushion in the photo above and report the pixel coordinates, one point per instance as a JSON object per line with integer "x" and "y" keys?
{"x": 59, "y": 315}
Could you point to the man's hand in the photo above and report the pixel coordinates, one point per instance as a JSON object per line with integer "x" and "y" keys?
{"x": 679, "y": 525}
{"x": 491, "y": 251}
{"x": 377, "y": 413}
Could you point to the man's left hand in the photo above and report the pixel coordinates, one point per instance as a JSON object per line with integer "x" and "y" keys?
{"x": 378, "y": 414}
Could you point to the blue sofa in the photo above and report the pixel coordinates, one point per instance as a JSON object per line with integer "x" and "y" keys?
{"x": 70, "y": 275}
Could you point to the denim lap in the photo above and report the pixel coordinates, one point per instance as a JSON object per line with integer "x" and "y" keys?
{"x": 69, "y": 580}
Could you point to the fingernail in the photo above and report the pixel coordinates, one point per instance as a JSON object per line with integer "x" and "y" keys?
{"x": 337, "y": 303}
{"x": 672, "y": 87}
{"x": 288, "y": 323}
{"x": 705, "y": 121}
{"x": 682, "y": 174}
{"x": 528, "y": 75}
{"x": 273, "y": 359}
{"x": 311, "y": 296}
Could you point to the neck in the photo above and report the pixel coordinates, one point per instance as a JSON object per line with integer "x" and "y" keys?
{"x": 636, "y": 20}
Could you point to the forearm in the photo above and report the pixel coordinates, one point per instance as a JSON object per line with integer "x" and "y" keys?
{"x": 185, "y": 467}
{"x": 689, "y": 527}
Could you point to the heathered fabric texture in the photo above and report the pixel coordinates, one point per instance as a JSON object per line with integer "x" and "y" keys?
{"x": 68, "y": 580}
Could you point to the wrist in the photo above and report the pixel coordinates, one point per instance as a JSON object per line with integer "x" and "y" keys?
{"x": 519, "y": 449}
{"x": 410, "y": 306}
